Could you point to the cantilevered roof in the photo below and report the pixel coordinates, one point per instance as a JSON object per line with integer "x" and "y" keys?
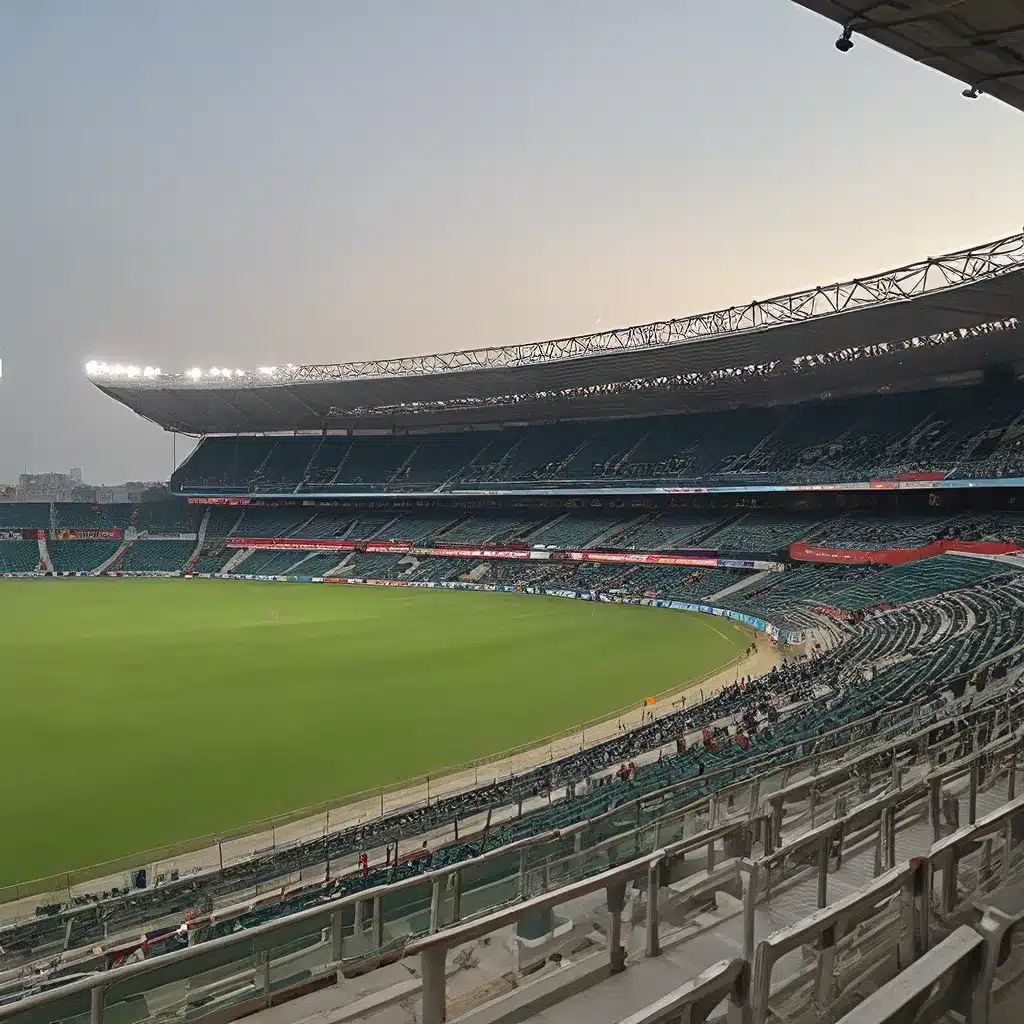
{"x": 978, "y": 42}
{"x": 968, "y": 292}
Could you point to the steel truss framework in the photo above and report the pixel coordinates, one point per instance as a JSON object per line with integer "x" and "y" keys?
{"x": 701, "y": 380}
{"x": 976, "y": 264}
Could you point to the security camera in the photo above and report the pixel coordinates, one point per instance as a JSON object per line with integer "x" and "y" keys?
{"x": 844, "y": 44}
{"x": 971, "y": 94}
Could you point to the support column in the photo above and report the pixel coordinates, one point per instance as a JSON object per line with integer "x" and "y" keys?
{"x": 336, "y": 936}
{"x": 456, "y": 896}
{"x": 890, "y": 838}
{"x": 823, "y": 872}
{"x": 653, "y": 885}
{"x": 753, "y": 871}
{"x": 934, "y": 808}
{"x": 432, "y": 971}
{"x": 880, "y": 842}
{"x": 378, "y": 924}
{"x": 435, "y": 906}
{"x": 96, "y": 1003}
{"x": 616, "y": 902}
{"x": 972, "y": 804}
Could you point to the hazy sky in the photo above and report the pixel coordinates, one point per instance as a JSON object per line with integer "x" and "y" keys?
{"x": 246, "y": 182}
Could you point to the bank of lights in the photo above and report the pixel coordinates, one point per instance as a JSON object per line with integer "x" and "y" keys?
{"x": 95, "y": 368}
{"x": 98, "y": 369}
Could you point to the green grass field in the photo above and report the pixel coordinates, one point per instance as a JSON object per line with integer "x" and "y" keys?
{"x": 143, "y": 712}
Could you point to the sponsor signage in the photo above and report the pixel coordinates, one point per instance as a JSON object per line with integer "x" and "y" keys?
{"x": 802, "y": 552}
{"x": 630, "y": 558}
{"x": 73, "y": 534}
{"x": 290, "y": 544}
{"x": 702, "y": 559}
{"x": 219, "y": 501}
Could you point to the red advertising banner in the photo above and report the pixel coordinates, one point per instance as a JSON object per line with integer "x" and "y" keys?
{"x": 802, "y": 552}
{"x": 906, "y": 481}
{"x": 632, "y": 558}
{"x": 706, "y": 560}
{"x": 470, "y": 552}
{"x": 219, "y": 501}
{"x": 72, "y": 534}
{"x": 832, "y": 613}
{"x": 290, "y": 543}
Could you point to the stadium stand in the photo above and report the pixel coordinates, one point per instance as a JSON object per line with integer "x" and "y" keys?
{"x": 157, "y": 556}
{"x": 270, "y": 563}
{"x": 24, "y": 515}
{"x": 18, "y": 555}
{"x": 80, "y": 556}
{"x": 213, "y": 562}
{"x": 972, "y": 432}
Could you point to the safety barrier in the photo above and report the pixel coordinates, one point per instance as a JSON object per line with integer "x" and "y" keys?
{"x": 694, "y": 1002}
{"x": 948, "y": 977}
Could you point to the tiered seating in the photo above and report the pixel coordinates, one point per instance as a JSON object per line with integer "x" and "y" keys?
{"x": 213, "y": 563}
{"x": 854, "y": 589}
{"x": 577, "y": 529}
{"x": 271, "y": 521}
{"x": 283, "y": 469}
{"x": 361, "y": 465}
{"x": 228, "y": 463}
{"x": 665, "y": 530}
{"x": 495, "y": 529}
{"x": 166, "y": 517}
{"x": 157, "y": 556}
{"x": 878, "y": 531}
{"x": 327, "y": 526}
{"x": 917, "y": 580}
{"x": 374, "y": 567}
{"x": 269, "y": 563}
{"x": 418, "y": 526}
{"x": 19, "y": 555}
{"x": 81, "y": 516}
{"x": 319, "y": 564}
{"x": 80, "y": 555}
{"x": 26, "y": 515}
{"x": 965, "y": 431}
{"x": 758, "y": 531}
{"x": 369, "y": 524}
{"x": 441, "y": 570}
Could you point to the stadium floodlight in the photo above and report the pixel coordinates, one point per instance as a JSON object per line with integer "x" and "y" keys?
{"x": 239, "y": 373}
{"x": 98, "y": 368}
{"x": 268, "y": 371}
{"x": 195, "y": 373}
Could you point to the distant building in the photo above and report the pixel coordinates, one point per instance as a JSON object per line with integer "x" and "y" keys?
{"x": 46, "y": 487}
{"x": 49, "y": 487}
